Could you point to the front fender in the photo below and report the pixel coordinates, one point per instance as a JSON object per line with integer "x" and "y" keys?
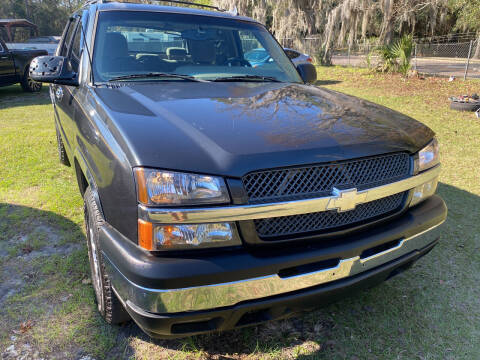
{"x": 82, "y": 164}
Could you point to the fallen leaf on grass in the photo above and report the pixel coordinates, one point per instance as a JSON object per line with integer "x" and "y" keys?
{"x": 24, "y": 327}
{"x": 86, "y": 281}
{"x": 27, "y": 249}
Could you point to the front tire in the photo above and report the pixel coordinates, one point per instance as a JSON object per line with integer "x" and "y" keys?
{"x": 27, "y": 83}
{"x": 108, "y": 304}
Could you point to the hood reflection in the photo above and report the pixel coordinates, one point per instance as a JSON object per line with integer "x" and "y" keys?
{"x": 297, "y": 115}
{"x": 237, "y": 127}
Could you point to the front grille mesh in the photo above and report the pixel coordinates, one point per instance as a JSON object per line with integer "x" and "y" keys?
{"x": 327, "y": 220}
{"x": 319, "y": 180}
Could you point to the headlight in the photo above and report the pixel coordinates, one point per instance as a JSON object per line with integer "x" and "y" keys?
{"x": 429, "y": 156}
{"x": 423, "y": 192}
{"x": 153, "y": 237}
{"x": 167, "y": 188}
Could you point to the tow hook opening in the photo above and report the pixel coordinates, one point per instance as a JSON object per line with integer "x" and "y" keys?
{"x": 308, "y": 268}
{"x": 254, "y": 317}
{"x": 379, "y": 249}
{"x": 197, "y": 326}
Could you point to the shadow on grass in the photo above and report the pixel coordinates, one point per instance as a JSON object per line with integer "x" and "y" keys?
{"x": 14, "y": 96}
{"x": 372, "y": 317}
{"x": 327, "y": 82}
{"x": 328, "y": 332}
{"x": 43, "y": 267}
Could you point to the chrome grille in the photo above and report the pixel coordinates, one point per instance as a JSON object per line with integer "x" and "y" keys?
{"x": 328, "y": 220}
{"x": 318, "y": 180}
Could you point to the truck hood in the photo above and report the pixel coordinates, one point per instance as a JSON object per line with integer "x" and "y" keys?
{"x": 231, "y": 129}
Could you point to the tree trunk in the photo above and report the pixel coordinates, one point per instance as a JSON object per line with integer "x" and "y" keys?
{"x": 477, "y": 52}
{"x": 387, "y": 22}
{"x": 27, "y": 10}
{"x": 28, "y": 13}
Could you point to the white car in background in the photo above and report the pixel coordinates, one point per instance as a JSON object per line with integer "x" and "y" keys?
{"x": 297, "y": 57}
{"x": 259, "y": 57}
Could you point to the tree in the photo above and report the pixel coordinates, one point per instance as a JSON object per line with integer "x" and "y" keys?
{"x": 468, "y": 18}
{"x": 49, "y": 15}
{"x": 340, "y": 22}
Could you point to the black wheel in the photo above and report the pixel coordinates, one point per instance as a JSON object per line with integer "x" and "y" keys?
{"x": 465, "y": 106}
{"x": 62, "y": 154}
{"x": 28, "y": 85}
{"x": 109, "y": 306}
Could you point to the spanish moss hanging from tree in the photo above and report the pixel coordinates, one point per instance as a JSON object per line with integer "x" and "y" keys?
{"x": 341, "y": 22}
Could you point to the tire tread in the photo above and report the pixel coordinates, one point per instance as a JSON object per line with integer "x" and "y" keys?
{"x": 24, "y": 82}
{"x": 114, "y": 311}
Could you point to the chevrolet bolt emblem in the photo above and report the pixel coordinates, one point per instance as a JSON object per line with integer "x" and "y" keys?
{"x": 346, "y": 200}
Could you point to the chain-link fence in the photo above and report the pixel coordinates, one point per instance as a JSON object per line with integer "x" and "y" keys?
{"x": 459, "y": 59}
{"x": 456, "y": 59}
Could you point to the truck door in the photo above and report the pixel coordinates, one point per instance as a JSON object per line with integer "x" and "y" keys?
{"x": 7, "y": 66}
{"x": 62, "y": 95}
{"x": 68, "y": 98}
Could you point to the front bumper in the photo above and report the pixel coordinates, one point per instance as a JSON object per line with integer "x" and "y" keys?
{"x": 170, "y": 296}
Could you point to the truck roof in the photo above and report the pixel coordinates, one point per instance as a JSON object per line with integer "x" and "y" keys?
{"x": 105, "y": 6}
{"x": 17, "y": 22}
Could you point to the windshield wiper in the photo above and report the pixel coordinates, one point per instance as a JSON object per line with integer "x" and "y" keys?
{"x": 156, "y": 75}
{"x": 247, "y": 78}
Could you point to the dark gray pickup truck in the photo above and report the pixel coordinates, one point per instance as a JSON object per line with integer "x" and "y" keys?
{"x": 14, "y": 67}
{"x": 218, "y": 194}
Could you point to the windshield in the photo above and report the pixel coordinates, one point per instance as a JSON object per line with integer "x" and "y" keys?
{"x": 204, "y": 47}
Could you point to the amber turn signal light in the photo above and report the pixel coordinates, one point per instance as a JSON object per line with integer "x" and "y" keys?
{"x": 145, "y": 235}
{"x": 141, "y": 185}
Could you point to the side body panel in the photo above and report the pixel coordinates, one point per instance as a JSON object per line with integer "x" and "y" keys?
{"x": 109, "y": 165}
{"x": 90, "y": 145}
{"x": 7, "y": 66}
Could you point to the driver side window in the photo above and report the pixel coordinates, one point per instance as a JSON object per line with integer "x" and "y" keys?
{"x": 72, "y": 45}
{"x": 67, "y": 38}
{"x": 76, "y": 48}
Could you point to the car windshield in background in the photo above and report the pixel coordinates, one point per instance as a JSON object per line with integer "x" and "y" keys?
{"x": 206, "y": 48}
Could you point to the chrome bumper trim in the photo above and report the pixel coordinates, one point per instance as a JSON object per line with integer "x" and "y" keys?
{"x": 219, "y": 214}
{"x": 229, "y": 294}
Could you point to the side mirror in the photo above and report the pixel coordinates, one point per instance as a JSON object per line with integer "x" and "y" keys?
{"x": 53, "y": 70}
{"x": 308, "y": 72}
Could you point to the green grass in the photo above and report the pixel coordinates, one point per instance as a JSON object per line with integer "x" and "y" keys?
{"x": 429, "y": 312}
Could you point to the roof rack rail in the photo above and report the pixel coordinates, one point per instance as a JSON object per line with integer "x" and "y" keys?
{"x": 91, "y": 2}
{"x": 190, "y": 3}
{"x": 234, "y": 12}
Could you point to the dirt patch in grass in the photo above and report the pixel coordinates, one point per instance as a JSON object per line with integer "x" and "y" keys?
{"x": 46, "y": 303}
